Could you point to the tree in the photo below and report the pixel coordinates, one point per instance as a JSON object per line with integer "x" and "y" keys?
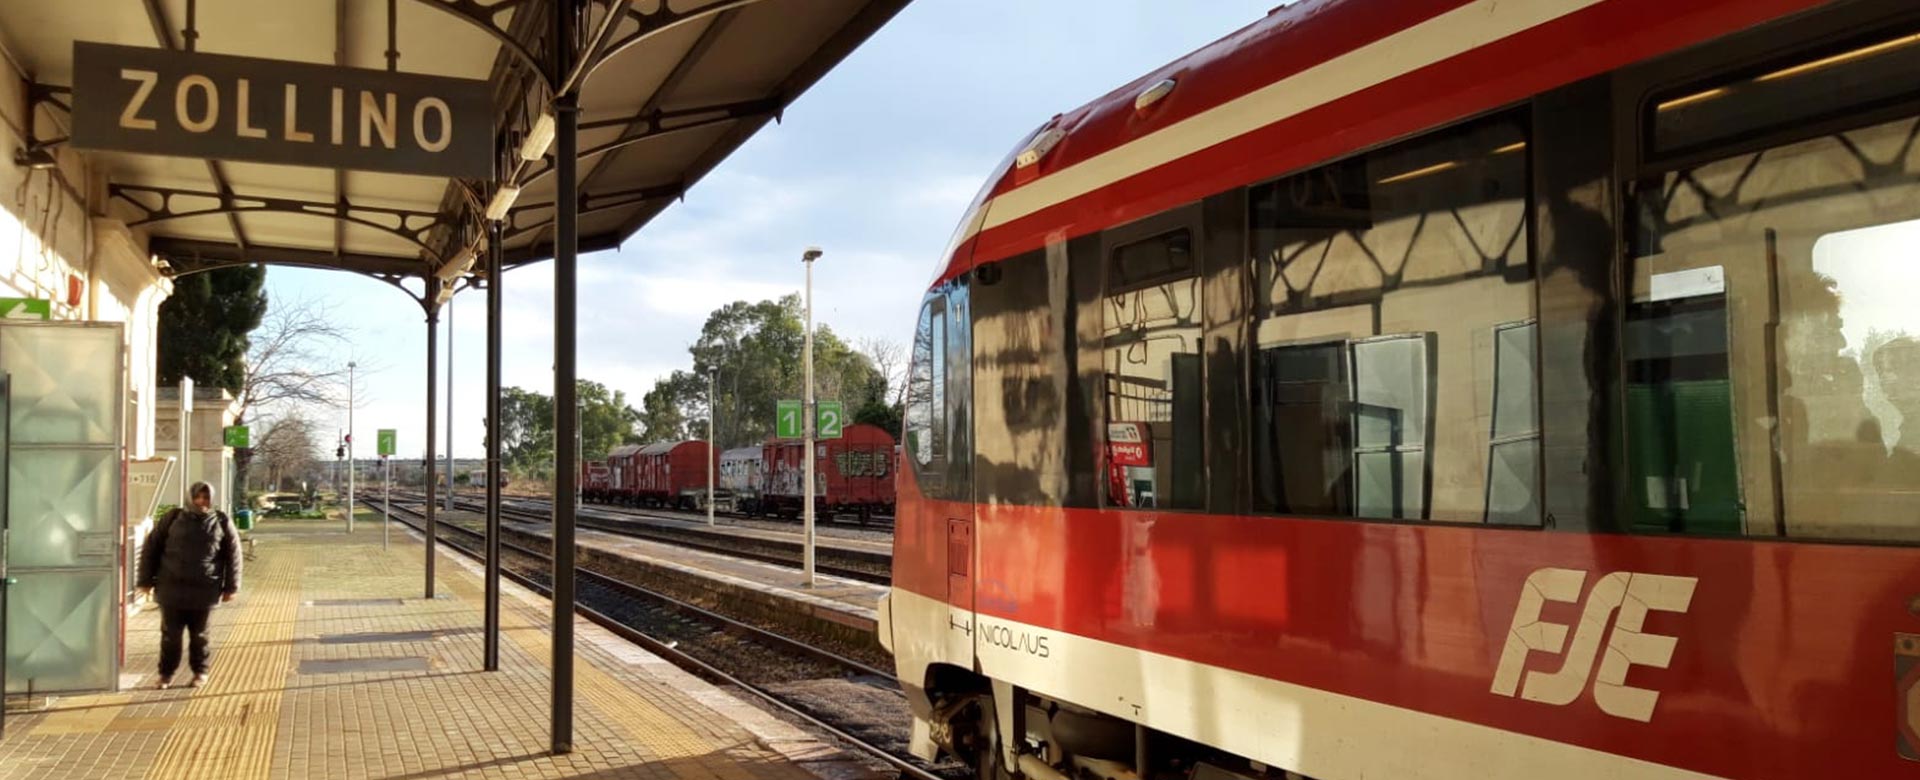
{"x": 204, "y": 326}
{"x": 291, "y": 362}
{"x": 526, "y": 432}
{"x": 605, "y": 419}
{"x": 526, "y": 427}
{"x": 286, "y": 448}
{"x": 667, "y": 411}
{"x": 754, "y": 350}
{"x": 889, "y": 359}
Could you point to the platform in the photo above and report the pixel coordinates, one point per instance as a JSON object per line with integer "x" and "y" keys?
{"x": 330, "y": 665}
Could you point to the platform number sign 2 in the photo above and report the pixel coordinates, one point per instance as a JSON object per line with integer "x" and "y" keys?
{"x": 829, "y": 417}
{"x": 787, "y": 420}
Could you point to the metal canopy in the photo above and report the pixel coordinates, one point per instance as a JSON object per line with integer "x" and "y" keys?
{"x": 668, "y": 88}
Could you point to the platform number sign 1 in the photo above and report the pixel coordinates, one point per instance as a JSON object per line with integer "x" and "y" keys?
{"x": 829, "y": 417}
{"x": 787, "y": 422}
{"x": 387, "y": 441}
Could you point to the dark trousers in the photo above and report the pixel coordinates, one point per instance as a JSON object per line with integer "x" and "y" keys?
{"x": 194, "y": 623}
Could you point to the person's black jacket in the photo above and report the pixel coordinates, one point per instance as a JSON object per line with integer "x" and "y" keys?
{"x": 190, "y": 559}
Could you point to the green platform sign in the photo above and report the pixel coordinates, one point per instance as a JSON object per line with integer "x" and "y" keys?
{"x": 829, "y": 417}
{"x": 25, "y": 309}
{"x": 237, "y": 436}
{"x": 787, "y": 420}
{"x": 388, "y": 441}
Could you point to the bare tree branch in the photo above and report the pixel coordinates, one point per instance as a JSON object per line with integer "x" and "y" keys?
{"x": 294, "y": 360}
{"x": 889, "y": 358}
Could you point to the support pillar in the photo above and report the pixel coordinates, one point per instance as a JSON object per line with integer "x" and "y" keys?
{"x": 566, "y": 412}
{"x": 491, "y": 641}
{"x": 433, "y": 477}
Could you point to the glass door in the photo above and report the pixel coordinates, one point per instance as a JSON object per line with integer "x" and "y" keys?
{"x": 5, "y": 401}
{"x": 64, "y": 505}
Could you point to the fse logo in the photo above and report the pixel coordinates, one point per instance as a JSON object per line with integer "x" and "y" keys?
{"x": 1630, "y": 594}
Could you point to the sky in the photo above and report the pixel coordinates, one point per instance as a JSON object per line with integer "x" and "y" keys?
{"x": 875, "y": 164}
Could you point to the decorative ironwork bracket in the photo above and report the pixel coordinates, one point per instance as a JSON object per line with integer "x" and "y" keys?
{"x": 486, "y": 18}
{"x": 590, "y": 202}
{"x": 45, "y": 95}
{"x": 157, "y": 205}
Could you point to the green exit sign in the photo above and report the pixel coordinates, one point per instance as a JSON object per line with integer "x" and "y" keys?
{"x": 25, "y": 309}
{"x": 237, "y": 436}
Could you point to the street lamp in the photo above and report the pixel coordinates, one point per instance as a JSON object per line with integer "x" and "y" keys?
{"x": 713, "y": 445}
{"x": 351, "y": 471}
{"x": 813, "y": 253}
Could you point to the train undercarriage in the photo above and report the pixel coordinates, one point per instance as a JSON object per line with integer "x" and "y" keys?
{"x": 1059, "y": 741}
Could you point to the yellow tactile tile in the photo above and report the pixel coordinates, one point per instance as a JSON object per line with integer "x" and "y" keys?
{"x": 331, "y": 597}
{"x": 242, "y": 695}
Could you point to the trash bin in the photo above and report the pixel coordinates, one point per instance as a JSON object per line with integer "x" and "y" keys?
{"x": 243, "y": 519}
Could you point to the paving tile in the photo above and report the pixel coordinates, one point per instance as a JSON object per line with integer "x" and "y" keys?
{"x": 344, "y": 609}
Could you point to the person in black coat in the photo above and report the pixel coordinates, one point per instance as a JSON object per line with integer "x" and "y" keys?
{"x": 191, "y": 562}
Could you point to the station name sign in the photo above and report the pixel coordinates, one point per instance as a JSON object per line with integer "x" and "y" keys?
{"x": 213, "y": 106}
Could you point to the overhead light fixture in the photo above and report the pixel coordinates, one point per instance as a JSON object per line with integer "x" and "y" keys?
{"x": 1417, "y": 173}
{"x": 1697, "y": 97}
{"x": 502, "y": 202}
{"x": 462, "y": 263}
{"x": 539, "y": 139}
{"x": 1841, "y": 59}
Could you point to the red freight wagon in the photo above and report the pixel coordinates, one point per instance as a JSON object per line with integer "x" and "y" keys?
{"x": 671, "y": 473}
{"x": 620, "y": 487}
{"x": 853, "y": 473}
{"x": 596, "y": 481}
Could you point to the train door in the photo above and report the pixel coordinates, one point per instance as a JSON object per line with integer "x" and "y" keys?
{"x": 939, "y": 451}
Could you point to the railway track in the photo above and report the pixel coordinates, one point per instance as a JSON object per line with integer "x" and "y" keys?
{"x": 879, "y": 524}
{"x": 794, "y": 677}
{"x": 858, "y": 565}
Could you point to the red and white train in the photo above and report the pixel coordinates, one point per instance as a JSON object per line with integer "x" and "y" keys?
{"x": 1436, "y": 388}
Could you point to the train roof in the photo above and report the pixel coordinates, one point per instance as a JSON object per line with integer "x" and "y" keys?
{"x": 623, "y": 451}
{"x": 1308, "y": 83}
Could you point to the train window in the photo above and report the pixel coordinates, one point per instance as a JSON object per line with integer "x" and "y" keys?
{"x": 939, "y": 397}
{"x": 1773, "y": 382}
{"x": 1862, "y": 74}
{"x": 926, "y": 390}
{"x": 1389, "y": 377}
{"x": 1151, "y": 350}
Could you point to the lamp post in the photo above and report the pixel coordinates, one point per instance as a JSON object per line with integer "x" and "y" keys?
{"x": 807, "y": 410}
{"x": 449, "y": 404}
{"x": 351, "y": 471}
{"x": 713, "y": 445}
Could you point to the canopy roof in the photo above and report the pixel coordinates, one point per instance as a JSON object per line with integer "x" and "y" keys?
{"x": 668, "y": 88}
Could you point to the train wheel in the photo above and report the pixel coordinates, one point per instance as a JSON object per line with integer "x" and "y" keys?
{"x": 987, "y": 762}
